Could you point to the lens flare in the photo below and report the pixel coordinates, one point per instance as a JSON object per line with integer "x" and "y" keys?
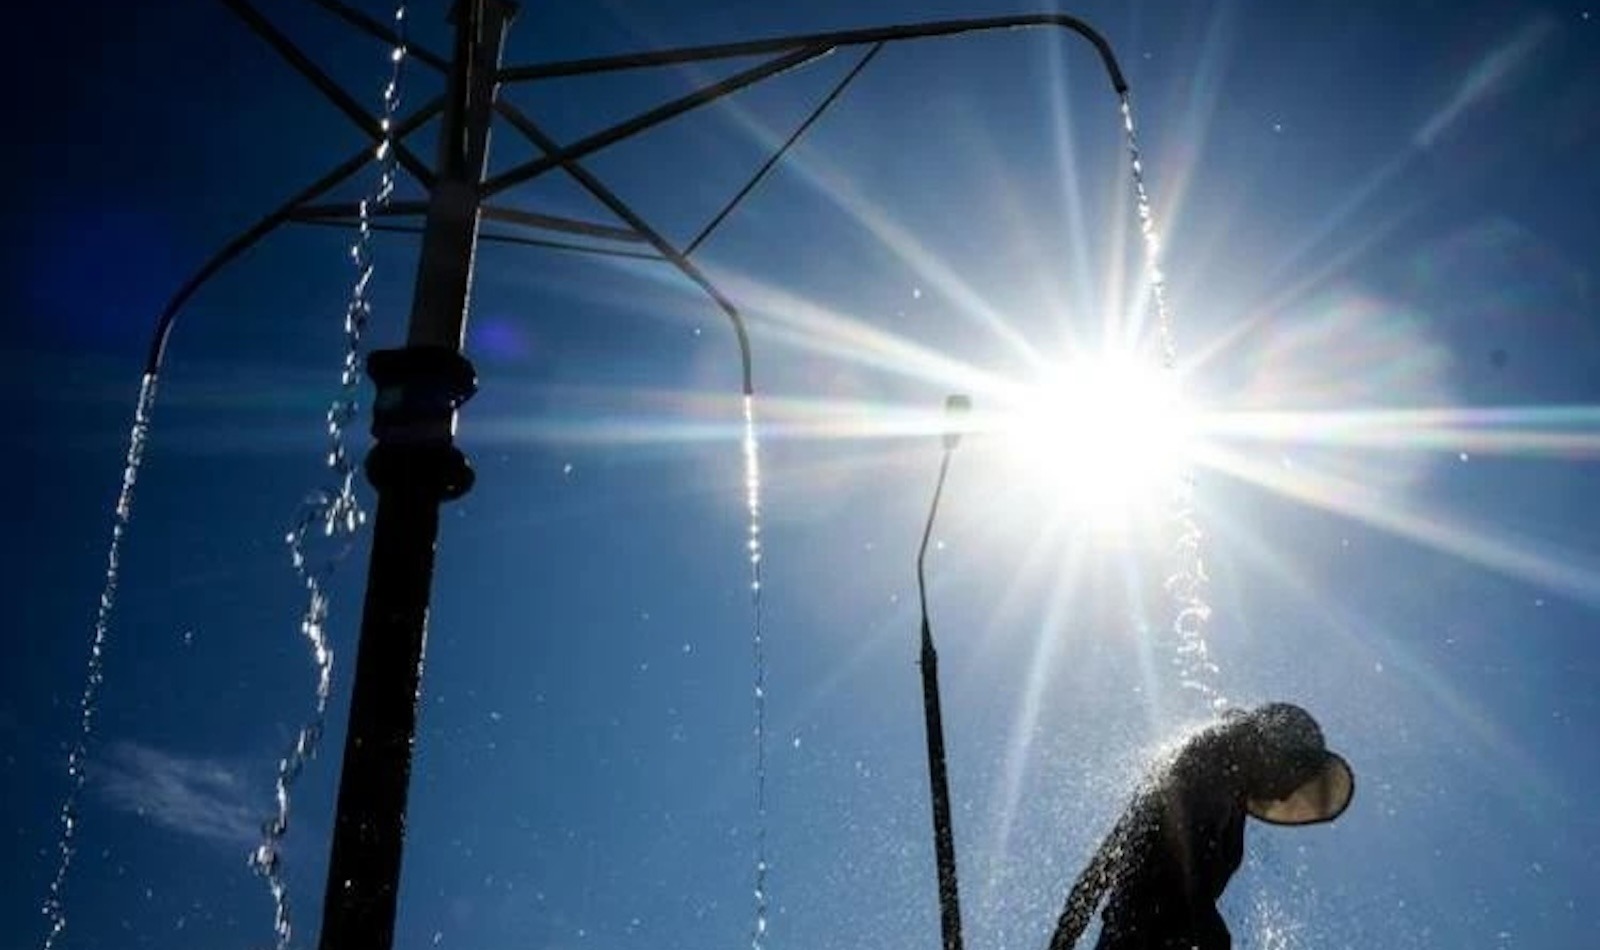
{"x": 1107, "y": 435}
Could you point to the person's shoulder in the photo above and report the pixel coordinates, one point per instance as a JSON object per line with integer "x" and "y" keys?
{"x": 1210, "y": 753}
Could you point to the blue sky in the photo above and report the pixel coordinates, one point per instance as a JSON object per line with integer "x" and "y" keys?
{"x": 1378, "y": 233}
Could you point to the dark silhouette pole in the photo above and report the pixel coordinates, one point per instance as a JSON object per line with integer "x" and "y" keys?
{"x": 415, "y": 467}
{"x": 944, "y": 841}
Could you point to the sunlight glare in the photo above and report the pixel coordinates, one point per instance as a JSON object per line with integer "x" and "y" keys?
{"x": 1107, "y": 436}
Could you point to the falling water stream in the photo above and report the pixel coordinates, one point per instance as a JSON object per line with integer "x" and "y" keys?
{"x": 333, "y": 513}
{"x": 752, "y": 489}
{"x": 66, "y": 845}
{"x": 1186, "y": 584}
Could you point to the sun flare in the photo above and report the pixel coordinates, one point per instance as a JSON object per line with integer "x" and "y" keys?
{"x": 1106, "y": 436}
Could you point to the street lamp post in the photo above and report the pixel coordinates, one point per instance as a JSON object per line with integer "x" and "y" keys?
{"x": 944, "y": 839}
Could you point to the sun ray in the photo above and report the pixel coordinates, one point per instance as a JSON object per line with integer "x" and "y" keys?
{"x": 1501, "y": 759}
{"x": 1041, "y": 668}
{"x": 794, "y": 321}
{"x": 1331, "y": 266}
{"x": 1078, "y": 244}
{"x": 931, "y": 270}
{"x": 1185, "y": 145}
{"x": 1109, "y": 434}
{"x": 1566, "y": 571}
{"x": 1568, "y": 432}
{"x": 1489, "y": 76}
{"x": 1338, "y": 615}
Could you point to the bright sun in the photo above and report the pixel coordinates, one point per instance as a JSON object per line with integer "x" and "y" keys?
{"x": 1106, "y": 436}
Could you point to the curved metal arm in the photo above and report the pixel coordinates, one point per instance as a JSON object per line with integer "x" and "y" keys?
{"x": 800, "y": 47}
{"x": 880, "y": 34}
{"x": 791, "y": 51}
{"x": 665, "y": 248}
{"x": 253, "y": 234}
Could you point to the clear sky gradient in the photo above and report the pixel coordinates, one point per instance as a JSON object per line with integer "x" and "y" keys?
{"x": 1380, "y": 237}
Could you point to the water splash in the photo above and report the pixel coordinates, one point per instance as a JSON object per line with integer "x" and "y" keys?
{"x": 1186, "y": 587}
{"x": 333, "y": 513}
{"x": 1274, "y": 927}
{"x": 752, "y": 494}
{"x": 1186, "y": 584}
{"x": 66, "y": 845}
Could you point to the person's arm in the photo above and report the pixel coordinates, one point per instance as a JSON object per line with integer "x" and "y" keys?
{"x": 1091, "y": 886}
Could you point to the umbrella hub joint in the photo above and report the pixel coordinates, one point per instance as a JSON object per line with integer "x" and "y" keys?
{"x": 419, "y": 389}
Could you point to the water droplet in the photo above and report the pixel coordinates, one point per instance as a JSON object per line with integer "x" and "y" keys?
{"x": 333, "y": 513}
{"x": 54, "y": 906}
{"x": 1187, "y": 584}
{"x": 752, "y": 480}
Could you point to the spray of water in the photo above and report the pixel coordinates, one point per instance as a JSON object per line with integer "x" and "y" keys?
{"x": 752, "y": 490}
{"x": 1186, "y": 584}
{"x": 1274, "y": 927}
{"x": 66, "y": 844}
{"x": 333, "y": 513}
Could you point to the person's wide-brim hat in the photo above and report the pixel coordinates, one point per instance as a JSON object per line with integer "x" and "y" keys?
{"x": 1296, "y": 742}
{"x": 1323, "y": 798}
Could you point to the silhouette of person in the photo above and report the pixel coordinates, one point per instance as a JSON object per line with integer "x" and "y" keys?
{"x": 1170, "y": 856}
